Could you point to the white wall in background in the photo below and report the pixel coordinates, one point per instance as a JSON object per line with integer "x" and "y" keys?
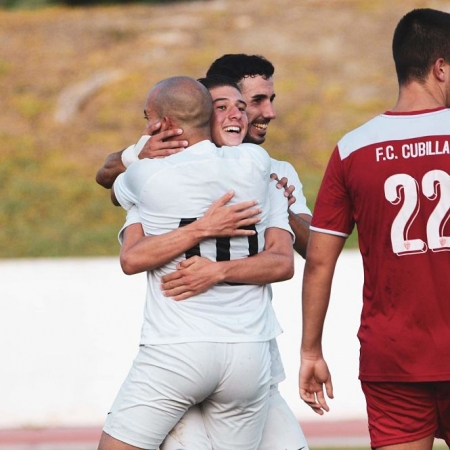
{"x": 70, "y": 329}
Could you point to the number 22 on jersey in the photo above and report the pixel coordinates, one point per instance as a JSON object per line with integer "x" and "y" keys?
{"x": 435, "y": 185}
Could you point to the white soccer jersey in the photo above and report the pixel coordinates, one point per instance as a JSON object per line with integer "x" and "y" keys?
{"x": 175, "y": 191}
{"x": 285, "y": 169}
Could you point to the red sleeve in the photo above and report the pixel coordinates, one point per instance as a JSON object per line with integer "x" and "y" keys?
{"x": 333, "y": 209}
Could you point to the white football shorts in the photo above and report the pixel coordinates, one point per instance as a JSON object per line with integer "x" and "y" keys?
{"x": 281, "y": 429}
{"x": 232, "y": 381}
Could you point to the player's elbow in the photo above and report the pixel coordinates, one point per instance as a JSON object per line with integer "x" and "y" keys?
{"x": 103, "y": 180}
{"x": 285, "y": 268}
{"x": 289, "y": 271}
{"x": 128, "y": 264}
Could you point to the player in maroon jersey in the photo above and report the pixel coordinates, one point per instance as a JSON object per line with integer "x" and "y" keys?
{"x": 391, "y": 178}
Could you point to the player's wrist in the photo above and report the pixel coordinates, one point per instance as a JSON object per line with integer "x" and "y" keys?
{"x": 203, "y": 229}
{"x": 129, "y": 156}
{"x": 131, "y": 153}
{"x": 219, "y": 275}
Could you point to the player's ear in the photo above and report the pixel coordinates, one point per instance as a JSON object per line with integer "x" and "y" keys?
{"x": 167, "y": 123}
{"x": 440, "y": 70}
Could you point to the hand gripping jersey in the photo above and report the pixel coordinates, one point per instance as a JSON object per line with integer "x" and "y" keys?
{"x": 285, "y": 169}
{"x": 392, "y": 178}
{"x": 175, "y": 191}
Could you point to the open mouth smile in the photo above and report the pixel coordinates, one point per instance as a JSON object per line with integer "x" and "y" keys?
{"x": 232, "y": 129}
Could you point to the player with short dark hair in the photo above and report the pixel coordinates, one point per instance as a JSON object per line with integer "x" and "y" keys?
{"x": 281, "y": 429}
{"x": 254, "y": 76}
{"x": 214, "y": 347}
{"x": 391, "y": 178}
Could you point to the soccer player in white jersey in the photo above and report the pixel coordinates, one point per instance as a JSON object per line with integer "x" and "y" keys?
{"x": 281, "y": 430}
{"x": 254, "y": 75}
{"x": 391, "y": 177}
{"x": 212, "y": 348}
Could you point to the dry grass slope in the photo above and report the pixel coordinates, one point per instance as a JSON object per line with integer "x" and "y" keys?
{"x": 74, "y": 81}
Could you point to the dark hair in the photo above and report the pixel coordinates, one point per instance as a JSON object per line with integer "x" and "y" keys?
{"x": 215, "y": 81}
{"x": 421, "y": 37}
{"x": 239, "y": 66}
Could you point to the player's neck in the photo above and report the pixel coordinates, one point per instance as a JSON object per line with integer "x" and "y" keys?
{"x": 196, "y": 137}
{"x": 419, "y": 97}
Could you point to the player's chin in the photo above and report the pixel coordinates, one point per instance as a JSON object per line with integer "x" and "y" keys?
{"x": 256, "y": 135}
{"x": 232, "y": 139}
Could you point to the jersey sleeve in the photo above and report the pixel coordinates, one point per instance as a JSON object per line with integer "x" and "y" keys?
{"x": 278, "y": 216}
{"x": 332, "y": 211}
{"x": 285, "y": 169}
{"x": 133, "y": 217}
{"x": 129, "y": 185}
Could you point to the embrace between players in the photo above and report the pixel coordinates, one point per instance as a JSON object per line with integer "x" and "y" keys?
{"x": 213, "y": 224}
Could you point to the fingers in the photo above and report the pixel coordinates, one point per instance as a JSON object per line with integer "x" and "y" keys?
{"x": 224, "y": 199}
{"x": 274, "y": 176}
{"x": 171, "y": 285}
{"x": 184, "y": 296}
{"x": 187, "y": 263}
{"x": 282, "y": 183}
{"x": 177, "y": 288}
{"x": 242, "y": 231}
{"x": 245, "y": 207}
{"x": 315, "y": 400}
{"x": 153, "y": 128}
{"x": 170, "y": 277}
{"x": 329, "y": 388}
{"x": 169, "y": 134}
{"x": 162, "y": 144}
{"x": 321, "y": 401}
{"x": 178, "y": 293}
{"x": 291, "y": 200}
{"x": 288, "y": 191}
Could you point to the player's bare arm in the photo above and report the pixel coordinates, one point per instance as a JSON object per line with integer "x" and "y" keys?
{"x": 197, "y": 275}
{"x": 111, "y": 169}
{"x": 300, "y": 226}
{"x": 140, "y": 253}
{"x": 160, "y": 145}
{"x": 314, "y": 376}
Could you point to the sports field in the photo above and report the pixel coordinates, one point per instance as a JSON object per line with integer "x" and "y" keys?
{"x": 335, "y": 436}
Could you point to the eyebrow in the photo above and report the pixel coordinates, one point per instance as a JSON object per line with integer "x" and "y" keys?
{"x": 221, "y": 99}
{"x": 262, "y": 96}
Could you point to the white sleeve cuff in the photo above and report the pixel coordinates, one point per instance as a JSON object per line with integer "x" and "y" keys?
{"x": 131, "y": 153}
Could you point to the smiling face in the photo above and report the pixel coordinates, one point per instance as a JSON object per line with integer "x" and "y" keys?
{"x": 229, "y": 120}
{"x": 259, "y": 94}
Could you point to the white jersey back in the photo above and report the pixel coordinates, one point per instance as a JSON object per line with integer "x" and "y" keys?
{"x": 175, "y": 191}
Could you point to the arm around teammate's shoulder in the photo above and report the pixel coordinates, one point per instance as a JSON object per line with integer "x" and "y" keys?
{"x": 110, "y": 170}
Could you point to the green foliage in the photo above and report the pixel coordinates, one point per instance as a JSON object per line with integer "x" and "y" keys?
{"x": 50, "y": 209}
